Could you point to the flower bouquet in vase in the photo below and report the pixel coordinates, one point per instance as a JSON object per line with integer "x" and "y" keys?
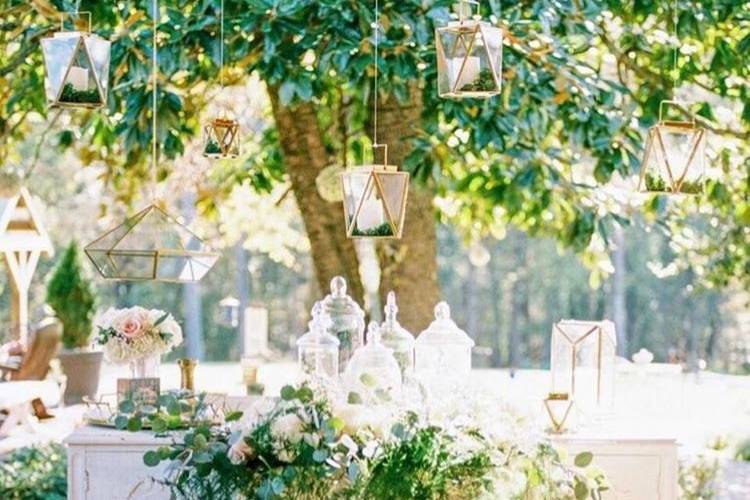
{"x": 138, "y": 336}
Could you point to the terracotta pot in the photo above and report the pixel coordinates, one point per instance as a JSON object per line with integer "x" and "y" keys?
{"x": 81, "y": 367}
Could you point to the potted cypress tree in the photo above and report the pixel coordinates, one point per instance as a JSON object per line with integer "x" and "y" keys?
{"x": 69, "y": 293}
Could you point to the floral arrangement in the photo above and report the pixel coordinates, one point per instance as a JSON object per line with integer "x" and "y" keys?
{"x": 135, "y": 333}
{"x": 306, "y": 445}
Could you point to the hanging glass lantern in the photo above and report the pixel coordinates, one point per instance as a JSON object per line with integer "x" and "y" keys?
{"x": 347, "y": 320}
{"x": 469, "y": 56}
{"x": 318, "y": 350}
{"x": 76, "y": 68}
{"x": 674, "y": 157}
{"x": 582, "y": 363}
{"x": 151, "y": 245}
{"x": 443, "y": 355}
{"x": 375, "y": 200}
{"x": 396, "y": 338}
{"x": 229, "y": 312}
{"x": 221, "y": 138}
{"x": 372, "y": 375}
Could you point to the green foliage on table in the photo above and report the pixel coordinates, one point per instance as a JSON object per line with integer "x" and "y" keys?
{"x": 657, "y": 184}
{"x": 173, "y": 410}
{"x": 70, "y": 94}
{"x": 316, "y": 455}
{"x": 743, "y": 451}
{"x": 70, "y": 294}
{"x": 34, "y": 473}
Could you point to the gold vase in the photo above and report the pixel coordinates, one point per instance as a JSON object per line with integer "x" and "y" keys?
{"x": 187, "y": 372}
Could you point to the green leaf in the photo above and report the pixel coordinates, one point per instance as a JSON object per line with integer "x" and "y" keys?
{"x": 127, "y": 406}
{"x": 151, "y": 458}
{"x": 288, "y": 393}
{"x": 354, "y": 398}
{"x": 581, "y": 490}
{"x": 305, "y": 394}
{"x": 286, "y": 92}
{"x": 368, "y": 380}
{"x": 121, "y": 422}
{"x": 233, "y": 416}
{"x": 278, "y": 485}
{"x": 320, "y": 456}
{"x": 174, "y": 408}
{"x": 202, "y": 458}
{"x": 135, "y": 424}
{"x": 158, "y": 425}
{"x": 583, "y": 459}
{"x": 200, "y": 442}
{"x": 161, "y": 319}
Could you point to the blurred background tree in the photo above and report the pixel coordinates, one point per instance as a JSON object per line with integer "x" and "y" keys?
{"x": 542, "y": 171}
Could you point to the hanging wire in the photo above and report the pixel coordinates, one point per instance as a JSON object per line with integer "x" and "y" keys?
{"x": 375, "y": 106}
{"x": 154, "y": 66}
{"x": 676, "y": 48}
{"x": 221, "y": 48}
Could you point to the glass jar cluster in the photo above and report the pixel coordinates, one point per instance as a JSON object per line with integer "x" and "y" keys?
{"x": 334, "y": 349}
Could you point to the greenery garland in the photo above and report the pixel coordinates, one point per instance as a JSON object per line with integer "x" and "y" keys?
{"x": 306, "y": 446}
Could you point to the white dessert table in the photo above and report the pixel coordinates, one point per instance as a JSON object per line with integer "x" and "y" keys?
{"x": 107, "y": 463}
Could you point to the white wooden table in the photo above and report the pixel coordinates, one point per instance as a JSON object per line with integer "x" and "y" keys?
{"x": 108, "y": 464}
{"x": 637, "y": 467}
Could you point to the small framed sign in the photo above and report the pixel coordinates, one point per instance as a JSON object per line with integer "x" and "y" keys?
{"x": 141, "y": 391}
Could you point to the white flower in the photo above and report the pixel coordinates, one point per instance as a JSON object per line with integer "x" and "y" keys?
{"x": 287, "y": 427}
{"x": 359, "y": 417}
{"x": 240, "y": 452}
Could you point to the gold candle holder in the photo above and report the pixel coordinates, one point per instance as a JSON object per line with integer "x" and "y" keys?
{"x": 187, "y": 372}
{"x": 558, "y": 405}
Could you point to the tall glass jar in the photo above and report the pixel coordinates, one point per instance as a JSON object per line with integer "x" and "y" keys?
{"x": 443, "y": 355}
{"x": 373, "y": 375}
{"x": 397, "y": 338}
{"x": 347, "y": 320}
{"x": 318, "y": 350}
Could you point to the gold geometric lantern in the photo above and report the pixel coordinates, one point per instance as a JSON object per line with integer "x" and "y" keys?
{"x": 674, "y": 157}
{"x": 221, "y": 138}
{"x": 151, "y": 245}
{"x": 77, "y": 68}
{"x": 582, "y": 362}
{"x": 558, "y": 406}
{"x": 375, "y": 200}
{"x": 469, "y": 56}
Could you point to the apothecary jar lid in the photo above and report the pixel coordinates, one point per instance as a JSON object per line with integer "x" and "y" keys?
{"x": 318, "y": 334}
{"x": 338, "y": 303}
{"x": 391, "y": 331}
{"x": 444, "y": 331}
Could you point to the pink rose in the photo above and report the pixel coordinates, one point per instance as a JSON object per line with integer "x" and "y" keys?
{"x": 132, "y": 328}
{"x": 132, "y": 324}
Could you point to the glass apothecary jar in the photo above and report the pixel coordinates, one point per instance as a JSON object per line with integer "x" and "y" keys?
{"x": 582, "y": 363}
{"x": 373, "y": 376}
{"x": 397, "y": 338}
{"x": 443, "y": 354}
{"x": 347, "y": 320}
{"x": 318, "y": 350}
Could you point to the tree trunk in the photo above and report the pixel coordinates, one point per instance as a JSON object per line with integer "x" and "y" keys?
{"x": 409, "y": 266}
{"x": 304, "y": 153}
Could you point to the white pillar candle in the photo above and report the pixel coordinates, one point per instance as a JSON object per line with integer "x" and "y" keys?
{"x": 78, "y": 77}
{"x": 371, "y": 214}
{"x": 469, "y": 74}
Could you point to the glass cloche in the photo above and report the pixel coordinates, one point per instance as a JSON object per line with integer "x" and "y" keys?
{"x": 443, "y": 354}
{"x": 397, "y": 338}
{"x": 347, "y": 320}
{"x": 318, "y": 350}
{"x": 373, "y": 375}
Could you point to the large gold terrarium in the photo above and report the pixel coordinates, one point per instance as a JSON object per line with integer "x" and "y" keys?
{"x": 469, "y": 57}
{"x": 375, "y": 200}
{"x": 221, "y": 138}
{"x": 76, "y": 68}
{"x": 674, "y": 157}
{"x": 151, "y": 245}
{"x": 582, "y": 363}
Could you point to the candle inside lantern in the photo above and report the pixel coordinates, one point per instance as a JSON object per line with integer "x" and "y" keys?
{"x": 371, "y": 213}
{"x": 78, "y": 77}
{"x": 468, "y": 75}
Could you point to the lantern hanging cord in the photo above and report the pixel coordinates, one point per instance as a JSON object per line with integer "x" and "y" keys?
{"x": 154, "y": 66}
{"x": 676, "y": 48}
{"x": 221, "y": 47}
{"x": 375, "y": 99}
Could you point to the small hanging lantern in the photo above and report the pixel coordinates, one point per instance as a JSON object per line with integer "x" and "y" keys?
{"x": 375, "y": 200}
{"x": 229, "y": 312}
{"x": 221, "y": 138}
{"x": 469, "y": 56}
{"x": 674, "y": 157}
{"x": 76, "y": 68}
